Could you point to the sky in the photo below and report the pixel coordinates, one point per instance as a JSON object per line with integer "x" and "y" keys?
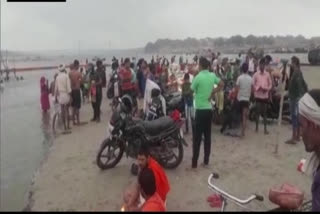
{"x": 124, "y": 24}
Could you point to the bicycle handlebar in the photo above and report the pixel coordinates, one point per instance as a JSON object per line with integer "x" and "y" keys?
{"x": 229, "y": 196}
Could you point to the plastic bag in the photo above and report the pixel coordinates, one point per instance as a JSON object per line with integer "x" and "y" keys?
{"x": 287, "y": 196}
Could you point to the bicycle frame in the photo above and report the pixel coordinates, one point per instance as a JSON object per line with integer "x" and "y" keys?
{"x": 226, "y": 196}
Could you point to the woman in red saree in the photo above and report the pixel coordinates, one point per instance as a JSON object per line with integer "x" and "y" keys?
{"x": 44, "y": 99}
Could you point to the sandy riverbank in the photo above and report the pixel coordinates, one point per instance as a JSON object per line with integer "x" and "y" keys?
{"x": 69, "y": 179}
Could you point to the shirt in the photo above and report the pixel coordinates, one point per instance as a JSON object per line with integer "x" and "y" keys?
{"x": 202, "y": 85}
{"x": 75, "y": 78}
{"x": 162, "y": 183}
{"x": 262, "y": 81}
{"x": 316, "y": 192}
{"x": 63, "y": 84}
{"x": 154, "y": 204}
{"x": 244, "y": 82}
{"x": 297, "y": 86}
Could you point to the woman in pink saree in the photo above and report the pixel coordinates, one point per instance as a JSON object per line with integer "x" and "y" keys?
{"x": 44, "y": 99}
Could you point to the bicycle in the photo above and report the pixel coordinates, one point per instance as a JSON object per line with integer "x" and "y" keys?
{"x": 225, "y": 197}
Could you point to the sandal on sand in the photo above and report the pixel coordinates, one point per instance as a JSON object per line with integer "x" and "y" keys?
{"x": 291, "y": 142}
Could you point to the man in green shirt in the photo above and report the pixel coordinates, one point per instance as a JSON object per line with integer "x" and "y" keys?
{"x": 203, "y": 88}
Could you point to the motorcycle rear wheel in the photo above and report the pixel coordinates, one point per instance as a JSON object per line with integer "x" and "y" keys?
{"x": 178, "y": 157}
{"x": 110, "y": 147}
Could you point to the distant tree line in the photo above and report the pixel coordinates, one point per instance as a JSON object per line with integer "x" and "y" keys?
{"x": 233, "y": 41}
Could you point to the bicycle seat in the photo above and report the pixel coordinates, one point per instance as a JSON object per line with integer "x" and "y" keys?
{"x": 157, "y": 126}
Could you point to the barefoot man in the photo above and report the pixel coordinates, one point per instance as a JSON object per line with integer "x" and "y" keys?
{"x": 62, "y": 95}
{"x": 76, "y": 79}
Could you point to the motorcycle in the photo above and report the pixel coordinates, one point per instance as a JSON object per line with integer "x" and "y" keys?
{"x": 272, "y": 109}
{"x": 127, "y": 135}
{"x": 174, "y": 102}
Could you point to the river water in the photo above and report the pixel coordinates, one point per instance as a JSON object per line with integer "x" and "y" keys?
{"x": 26, "y": 134}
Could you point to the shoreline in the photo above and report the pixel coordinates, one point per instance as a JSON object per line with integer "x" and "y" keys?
{"x": 69, "y": 180}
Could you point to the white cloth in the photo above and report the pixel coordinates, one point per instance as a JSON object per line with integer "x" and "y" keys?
{"x": 251, "y": 66}
{"x": 173, "y": 68}
{"x": 63, "y": 88}
{"x": 147, "y": 96}
{"x": 309, "y": 109}
{"x": 244, "y": 82}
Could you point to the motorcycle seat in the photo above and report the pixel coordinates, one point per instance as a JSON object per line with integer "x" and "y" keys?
{"x": 155, "y": 127}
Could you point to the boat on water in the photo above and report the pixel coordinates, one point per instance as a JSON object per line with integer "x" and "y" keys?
{"x": 314, "y": 56}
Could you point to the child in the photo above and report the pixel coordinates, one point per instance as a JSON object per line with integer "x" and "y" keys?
{"x": 187, "y": 96}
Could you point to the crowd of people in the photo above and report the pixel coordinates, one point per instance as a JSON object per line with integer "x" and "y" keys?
{"x": 234, "y": 86}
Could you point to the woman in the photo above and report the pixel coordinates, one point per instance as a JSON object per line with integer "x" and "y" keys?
{"x": 44, "y": 88}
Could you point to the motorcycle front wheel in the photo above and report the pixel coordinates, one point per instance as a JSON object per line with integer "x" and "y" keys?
{"x": 110, "y": 154}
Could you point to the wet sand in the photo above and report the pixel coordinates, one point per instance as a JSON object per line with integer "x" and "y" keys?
{"x": 69, "y": 180}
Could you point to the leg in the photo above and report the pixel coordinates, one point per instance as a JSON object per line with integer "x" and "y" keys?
{"x": 67, "y": 115}
{"x": 98, "y": 104}
{"x": 244, "y": 120}
{"x": 258, "y": 112}
{"x": 187, "y": 117}
{"x": 63, "y": 117}
{"x": 94, "y": 111}
{"x": 197, "y": 135}
{"x": 264, "y": 112}
{"x": 207, "y": 136}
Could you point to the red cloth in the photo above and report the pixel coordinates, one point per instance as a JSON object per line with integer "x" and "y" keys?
{"x": 162, "y": 183}
{"x": 44, "y": 99}
{"x": 154, "y": 204}
{"x": 175, "y": 115}
{"x": 126, "y": 78}
{"x": 159, "y": 69}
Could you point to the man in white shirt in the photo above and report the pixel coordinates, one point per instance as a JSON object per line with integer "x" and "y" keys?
{"x": 62, "y": 95}
{"x": 244, "y": 86}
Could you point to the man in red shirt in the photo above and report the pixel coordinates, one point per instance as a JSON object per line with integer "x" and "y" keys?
{"x": 147, "y": 182}
{"x": 161, "y": 180}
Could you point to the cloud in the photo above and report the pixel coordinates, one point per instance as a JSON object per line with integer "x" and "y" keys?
{"x": 132, "y": 23}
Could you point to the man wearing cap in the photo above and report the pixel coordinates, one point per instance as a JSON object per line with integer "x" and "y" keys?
{"x": 62, "y": 94}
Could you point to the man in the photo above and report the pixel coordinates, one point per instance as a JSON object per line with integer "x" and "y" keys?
{"x": 203, "y": 88}
{"x": 145, "y": 161}
{"x": 297, "y": 88}
{"x": 127, "y": 79}
{"x": 309, "y": 119}
{"x": 153, "y": 202}
{"x": 62, "y": 94}
{"x": 243, "y": 87}
{"x": 76, "y": 79}
{"x": 141, "y": 78}
{"x": 262, "y": 85}
{"x": 98, "y": 76}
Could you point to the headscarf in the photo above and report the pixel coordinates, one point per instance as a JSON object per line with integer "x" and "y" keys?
{"x": 309, "y": 109}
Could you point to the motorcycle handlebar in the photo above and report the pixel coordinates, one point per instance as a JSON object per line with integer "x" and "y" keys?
{"x": 229, "y": 196}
